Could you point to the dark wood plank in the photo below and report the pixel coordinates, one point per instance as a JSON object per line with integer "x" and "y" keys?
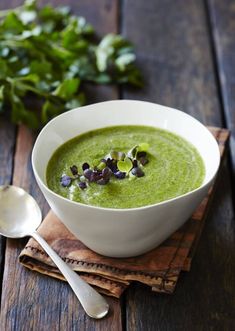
{"x": 222, "y": 15}
{"x": 31, "y": 301}
{"x": 7, "y": 144}
{"x": 204, "y": 297}
{"x": 44, "y": 303}
{"x": 175, "y": 53}
{"x": 5, "y": 4}
{"x": 22, "y": 172}
{"x": 173, "y": 50}
{"x": 62, "y": 310}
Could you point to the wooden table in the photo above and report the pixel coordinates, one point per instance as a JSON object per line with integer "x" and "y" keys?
{"x": 186, "y": 50}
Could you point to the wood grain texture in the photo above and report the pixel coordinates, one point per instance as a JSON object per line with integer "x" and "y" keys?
{"x": 29, "y": 301}
{"x": 32, "y": 302}
{"x": 174, "y": 52}
{"x": 204, "y": 297}
{"x": 7, "y": 145}
{"x": 22, "y": 172}
{"x": 5, "y": 4}
{"x": 222, "y": 18}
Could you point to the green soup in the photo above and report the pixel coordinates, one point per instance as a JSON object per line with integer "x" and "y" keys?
{"x": 174, "y": 168}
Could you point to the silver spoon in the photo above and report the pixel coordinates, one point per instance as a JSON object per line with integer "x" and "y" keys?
{"x": 20, "y": 216}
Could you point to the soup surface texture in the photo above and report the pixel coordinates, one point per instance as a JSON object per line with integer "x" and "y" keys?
{"x": 174, "y": 168}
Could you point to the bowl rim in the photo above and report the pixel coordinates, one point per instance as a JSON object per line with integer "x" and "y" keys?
{"x": 134, "y": 209}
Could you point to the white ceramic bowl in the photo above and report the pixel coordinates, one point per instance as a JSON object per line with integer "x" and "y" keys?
{"x": 124, "y": 232}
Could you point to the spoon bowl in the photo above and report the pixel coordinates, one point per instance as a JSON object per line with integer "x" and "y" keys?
{"x": 20, "y": 216}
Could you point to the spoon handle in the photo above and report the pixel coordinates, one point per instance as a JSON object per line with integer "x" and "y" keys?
{"x": 93, "y": 303}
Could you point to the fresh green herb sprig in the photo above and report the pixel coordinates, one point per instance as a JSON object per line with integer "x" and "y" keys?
{"x": 46, "y": 54}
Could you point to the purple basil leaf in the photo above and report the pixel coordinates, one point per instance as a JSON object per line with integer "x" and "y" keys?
{"x": 65, "y": 180}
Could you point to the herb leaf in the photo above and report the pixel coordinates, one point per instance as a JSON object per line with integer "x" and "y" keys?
{"x": 143, "y": 147}
{"x": 125, "y": 165}
{"x": 48, "y": 54}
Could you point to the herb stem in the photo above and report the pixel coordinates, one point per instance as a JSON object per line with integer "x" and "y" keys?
{"x": 18, "y": 82}
{"x": 15, "y": 43}
{"x": 31, "y": 88}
